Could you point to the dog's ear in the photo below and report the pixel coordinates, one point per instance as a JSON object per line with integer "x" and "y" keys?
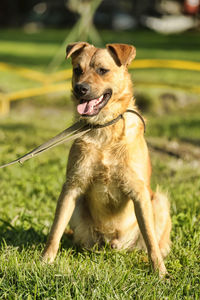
{"x": 74, "y": 47}
{"x": 123, "y": 54}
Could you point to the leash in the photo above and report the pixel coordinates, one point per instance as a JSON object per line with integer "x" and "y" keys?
{"x": 71, "y": 133}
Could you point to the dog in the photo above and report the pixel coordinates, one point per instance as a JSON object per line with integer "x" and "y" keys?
{"x": 106, "y": 197}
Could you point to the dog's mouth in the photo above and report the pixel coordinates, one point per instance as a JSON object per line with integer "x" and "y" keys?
{"x": 93, "y": 106}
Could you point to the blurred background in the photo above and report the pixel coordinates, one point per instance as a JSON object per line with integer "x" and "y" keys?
{"x": 122, "y": 14}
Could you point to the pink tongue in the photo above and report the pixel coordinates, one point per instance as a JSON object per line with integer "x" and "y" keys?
{"x": 87, "y": 108}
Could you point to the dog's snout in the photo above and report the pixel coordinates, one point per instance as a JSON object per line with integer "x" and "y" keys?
{"x": 82, "y": 89}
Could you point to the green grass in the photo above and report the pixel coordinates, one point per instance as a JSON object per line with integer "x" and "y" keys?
{"x": 28, "y": 193}
{"x": 28, "y": 196}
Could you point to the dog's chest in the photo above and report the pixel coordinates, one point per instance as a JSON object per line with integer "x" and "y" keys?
{"x": 106, "y": 169}
{"x": 105, "y": 189}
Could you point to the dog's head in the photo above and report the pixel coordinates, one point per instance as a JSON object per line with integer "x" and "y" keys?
{"x": 101, "y": 84}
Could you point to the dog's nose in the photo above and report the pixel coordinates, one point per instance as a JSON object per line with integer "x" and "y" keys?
{"x": 82, "y": 89}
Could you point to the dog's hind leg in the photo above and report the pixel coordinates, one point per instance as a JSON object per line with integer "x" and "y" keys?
{"x": 144, "y": 213}
{"x": 83, "y": 226}
{"x": 162, "y": 223}
{"x": 162, "y": 220}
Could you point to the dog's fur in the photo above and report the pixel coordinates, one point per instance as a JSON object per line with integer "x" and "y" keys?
{"x": 107, "y": 195}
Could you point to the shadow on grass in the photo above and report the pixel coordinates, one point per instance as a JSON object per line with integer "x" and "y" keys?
{"x": 30, "y": 238}
{"x": 192, "y": 141}
{"x": 25, "y": 60}
{"x": 17, "y": 126}
{"x": 18, "y": 236}
{"x": 43, "y": 36}
{"x": 26, "y": 238}
{"x": 142, "y": 39}
{"x": 154, "y": 41}
{"x": 179, "y": 128}
{"x": 32, "y": 61}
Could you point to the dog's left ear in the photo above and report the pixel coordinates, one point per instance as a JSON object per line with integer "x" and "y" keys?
{"x": 123, "y": 54}
{"x": 74, "y": 47}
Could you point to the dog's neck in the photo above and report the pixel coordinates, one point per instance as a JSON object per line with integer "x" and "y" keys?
{"x": 126, "y": 123}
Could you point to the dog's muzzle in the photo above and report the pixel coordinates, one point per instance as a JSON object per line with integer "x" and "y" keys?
{"x": 91, "y": 106}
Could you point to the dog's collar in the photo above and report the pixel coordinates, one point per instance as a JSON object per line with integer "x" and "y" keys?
{"x": 71, "y": 133}
{"x": 139, "y": 115}
{"x": 97, "y": 126}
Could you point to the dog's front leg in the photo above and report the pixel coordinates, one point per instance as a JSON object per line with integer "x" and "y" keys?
{"x": 79, "y": 172}
{"x": 64, "y": 210}
{"x": 144, "y": 214}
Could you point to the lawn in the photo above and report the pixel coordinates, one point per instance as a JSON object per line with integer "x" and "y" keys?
{"x": 28, "y": 193}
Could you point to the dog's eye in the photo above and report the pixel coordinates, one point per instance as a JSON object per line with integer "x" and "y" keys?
{"x": 78, "y": 71}
{"x": 102, "y": 71}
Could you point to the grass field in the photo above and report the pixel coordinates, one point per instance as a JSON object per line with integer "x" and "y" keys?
{"x": 28, "y": 193}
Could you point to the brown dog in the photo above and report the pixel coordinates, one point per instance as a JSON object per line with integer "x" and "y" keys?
{"x": 107, "y": 195}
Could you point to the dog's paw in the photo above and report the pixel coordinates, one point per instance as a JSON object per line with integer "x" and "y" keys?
{"x": 114, "y": 244}
{"x": 49, "y": 254}
{"x": 162, "y": 271}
